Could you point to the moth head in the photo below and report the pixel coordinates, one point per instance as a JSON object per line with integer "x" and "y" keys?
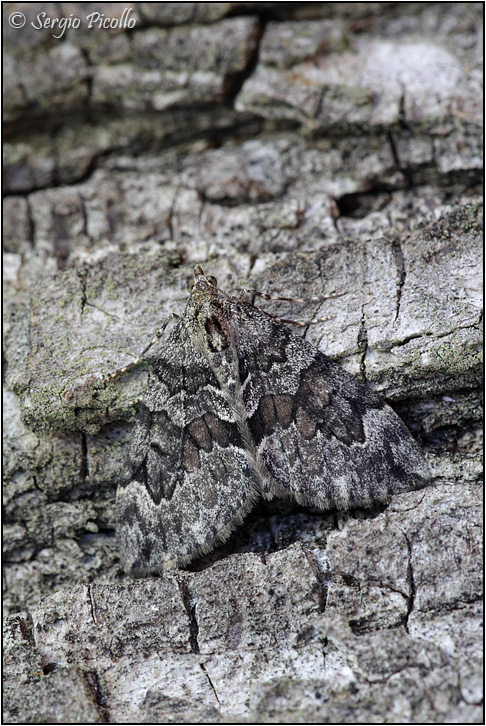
{"x": 201, "y": 283}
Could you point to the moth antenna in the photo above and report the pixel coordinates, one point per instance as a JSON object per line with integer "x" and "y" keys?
{"x": 137, "y": 360}
{"x": 267, "y": 296}
{"x": 303, "y": 325}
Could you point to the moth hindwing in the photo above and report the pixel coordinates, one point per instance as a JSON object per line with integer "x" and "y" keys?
{"x": 238, "y": 407}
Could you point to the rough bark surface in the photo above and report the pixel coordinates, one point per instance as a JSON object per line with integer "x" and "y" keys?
{"x": 295, "y": 148}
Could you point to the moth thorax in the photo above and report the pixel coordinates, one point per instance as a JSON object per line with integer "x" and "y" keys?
{"x": 215, "y": 334}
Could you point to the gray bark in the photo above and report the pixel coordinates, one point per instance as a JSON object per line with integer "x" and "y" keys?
{"x": 299, "y": 149}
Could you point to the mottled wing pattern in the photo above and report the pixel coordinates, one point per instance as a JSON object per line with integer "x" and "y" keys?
{"x": 324, "y": 437}
{"x": 239, "y": 406}
{"x": 189, "y": 479}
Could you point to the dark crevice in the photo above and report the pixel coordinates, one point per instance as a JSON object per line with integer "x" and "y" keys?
{"x": 402, "y": 116}
{"x": 325, "y": 643}
{"x": 274, "y": 11}
{"x": 32, "y": 122}
{"x": 404, "y": 170}
{"x": 394, "y": 150}
{"x": 320, "y": 103}
{"x": 83, "y": 274}
{"x": 84, "y": 213}
{"x": 99, "y": 695}
{"x": 323, "y": 578}
{"x": 427, "y": 334}
{"x": 233, "y": 202}
{"x": 48, "y": 666}
{"x": 84, "y": 459}
{"x": 411, "y": 584}
{"x": 92, "y": 605}
{"x": 358, "y": 205}
{"x": 245, "y": 126}
{"x": 361, "y": 626}
{"x": 88, "y": 82}
{"x": 401, "y": 273}
{"x": 233, "y": 82}
{"x": 190, "y": 607}
{"x": 210, "y": 682}
{"x": 55, "y": 182}
{"x": 31, "y": 221}
{"x": 362, "y": 344}
{"x": 252, "y": 261}
{"x": 170, "y": 214}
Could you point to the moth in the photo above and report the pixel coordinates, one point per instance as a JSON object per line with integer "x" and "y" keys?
{"x": 238, "y": 407}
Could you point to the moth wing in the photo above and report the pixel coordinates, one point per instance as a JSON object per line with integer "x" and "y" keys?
{"x": 189, "y": 480}
{"x": 325, "y": 439}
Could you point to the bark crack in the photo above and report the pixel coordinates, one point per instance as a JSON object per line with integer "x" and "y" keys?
{"x": 31, "y": 221}
{"x": 92, "y": 606}
{"x": 99, "y": 696}
{"x": 401, "y": 273}
{"x": 190, "y": 607}
{"x": 83, "y": 274}
{"x": 411, "y": 584}
{"x": 362, "y": 343}
{"x": 84, "y": 213}
{"x": 233, "y": 82}
{"x": 203, "y": 668}
{"x": 430, "y": 334}
{"x": 404, "y": 127}
{"x": 170, "y": 215}
{"x": 323, "y": 578}
{"x": 84, "y": 458}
